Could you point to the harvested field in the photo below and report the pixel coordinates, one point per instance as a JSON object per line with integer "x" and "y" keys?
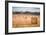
{"x": 25, "y": 20}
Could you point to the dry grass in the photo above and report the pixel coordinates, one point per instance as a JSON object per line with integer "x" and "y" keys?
{"x": 25, "y": 20}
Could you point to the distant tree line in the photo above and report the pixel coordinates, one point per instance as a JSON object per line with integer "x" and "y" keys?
{"x": 27, "y": 12}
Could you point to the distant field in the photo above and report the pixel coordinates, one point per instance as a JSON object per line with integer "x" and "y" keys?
{"x": 25, "y": 20}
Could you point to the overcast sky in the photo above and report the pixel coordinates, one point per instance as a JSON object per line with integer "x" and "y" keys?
{"x": 24, "y": 9}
